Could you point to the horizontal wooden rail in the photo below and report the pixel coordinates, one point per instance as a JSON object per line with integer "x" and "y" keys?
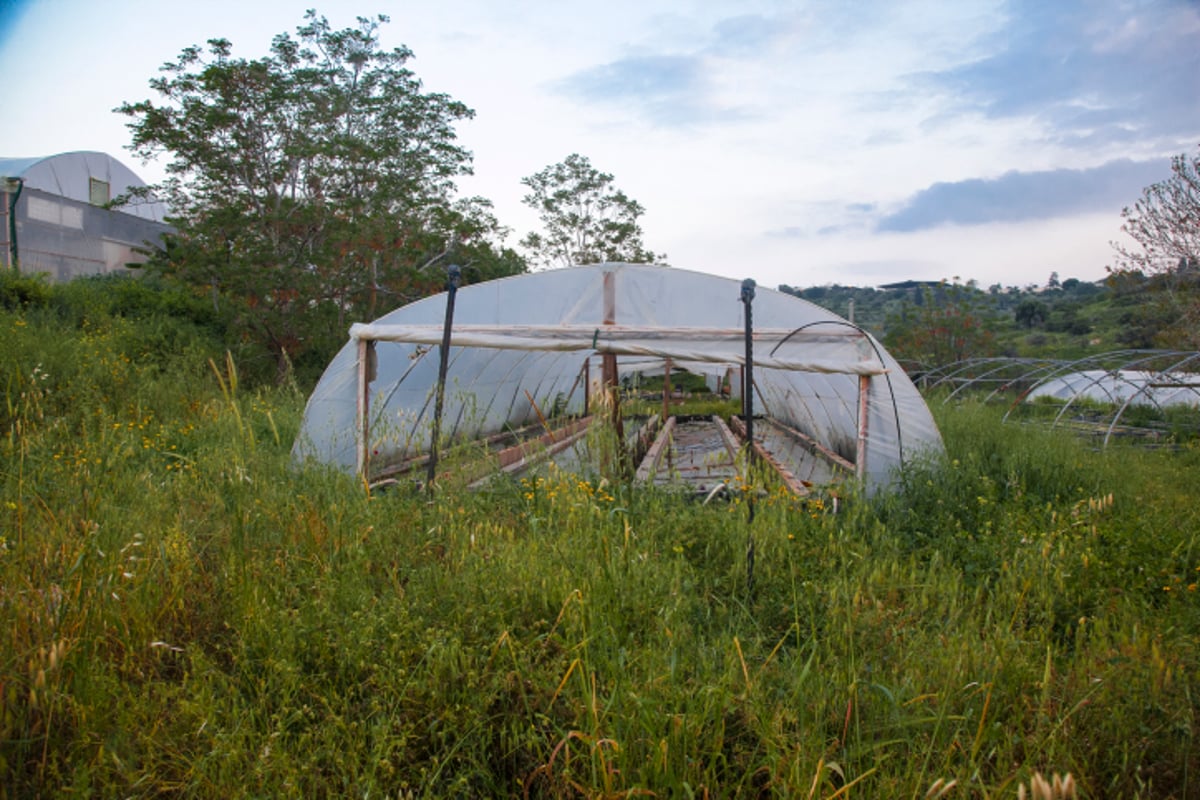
{"x": 788, "y": 477}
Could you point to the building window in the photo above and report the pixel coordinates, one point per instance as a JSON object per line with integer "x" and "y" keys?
{"x": 98, "y": 193}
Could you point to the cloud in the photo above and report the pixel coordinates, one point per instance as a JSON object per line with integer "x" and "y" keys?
{"x": 679, "y": 89}
{"x": 666, "y": 88}
{"x": 1091, "y": 73}
{"x": 641, "y": 76}
{"x": 1017, "y": 196}
{"x": 829, "y": 219}
{"x": 746, "y": 34}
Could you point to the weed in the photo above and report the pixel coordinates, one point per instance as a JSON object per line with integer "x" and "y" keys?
{"x": 185, "y": 611}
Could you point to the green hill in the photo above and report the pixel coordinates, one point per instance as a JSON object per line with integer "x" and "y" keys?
{"x": 1070, "y": 319}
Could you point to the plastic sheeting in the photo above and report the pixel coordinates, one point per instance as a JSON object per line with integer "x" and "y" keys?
{"x": 70, "y": 175}
{"x": 64, "y": 227}
{"x": 1133, "y": 387}
{"x": 529, "y": 337}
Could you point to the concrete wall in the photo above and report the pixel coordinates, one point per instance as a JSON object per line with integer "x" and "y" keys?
{"x": 66, "y": 239}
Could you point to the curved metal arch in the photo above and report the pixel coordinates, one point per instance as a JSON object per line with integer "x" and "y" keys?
{"x": 1021, "y": 377}
{"x": 1129, "y": 400}
{"x": 1000, "y": 363}
{"x": 1047, "y": 371}
{"x": 1109, "y": 365}
{"x": 1055, "y": 369}
{"x": 878, "y": 354}
{"x": 1104, "y": 362}
{"x": 951, "y": 372}
{"x": 1090, "y": 383}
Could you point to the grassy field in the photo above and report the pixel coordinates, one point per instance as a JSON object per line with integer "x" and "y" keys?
{"x": 185, "y": 612}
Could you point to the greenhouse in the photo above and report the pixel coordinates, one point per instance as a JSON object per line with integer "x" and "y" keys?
{"x": 1148, "y": 393}
{"x": 59, "y": 221}
{"x": 540, "y": 358}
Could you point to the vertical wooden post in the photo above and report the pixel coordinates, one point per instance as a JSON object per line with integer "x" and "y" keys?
{"x": 366, "y": 354}
{"x": 609, "y": 360}
{"x": 860, "y": 454}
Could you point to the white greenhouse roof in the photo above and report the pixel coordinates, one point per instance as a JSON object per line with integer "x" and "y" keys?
{"x": 519, "y": 344}
{"x": 70, "y": 175}
{"x": 1126, "y": 386}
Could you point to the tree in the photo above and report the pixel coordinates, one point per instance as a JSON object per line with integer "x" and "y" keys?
{"x": 305, "y": 183}
{"x": 585, "y": 219}
{"x": 949, "y": 325}
{"x": 1164, "y": 225}
{"x": 1031, "y": 313}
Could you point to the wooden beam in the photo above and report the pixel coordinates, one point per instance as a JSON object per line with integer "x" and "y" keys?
{"x": 813, "y": 445}
{"x": 860, "y": 452}
{"x": 788, "y": 477}
{"x": 650, "y": 464}
{"x": 366, "y": 351}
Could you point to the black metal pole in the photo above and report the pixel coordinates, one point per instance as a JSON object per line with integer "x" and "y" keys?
{"x": 453, "y": 276}
{"x": 748, "y": 371}
{"x": 13, "y": 197}
{"x": 748, "y": 413}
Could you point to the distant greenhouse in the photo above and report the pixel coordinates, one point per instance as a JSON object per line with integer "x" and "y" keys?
{"x": 58, "y": 221}
{"x": 1153, "y": 393}
{"x": 526, "y": 346}
{"x": 1123, "y": 387}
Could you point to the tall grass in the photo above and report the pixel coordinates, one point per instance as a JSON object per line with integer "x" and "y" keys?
{"x": 183, "y": 611}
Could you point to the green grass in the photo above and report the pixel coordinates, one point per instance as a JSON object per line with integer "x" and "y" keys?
{"x": 703, "y": 405}
{"x": 185, "y": 612}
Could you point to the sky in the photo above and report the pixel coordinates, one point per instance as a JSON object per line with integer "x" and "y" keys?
{"x": 852, "y": 142}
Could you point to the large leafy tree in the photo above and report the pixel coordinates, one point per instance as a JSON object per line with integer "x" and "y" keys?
{"x": 1164, "y": 225}
{"x": 585, "y": 218}
{"x": 950, "y": 323}
{"x": 312, "y": 183}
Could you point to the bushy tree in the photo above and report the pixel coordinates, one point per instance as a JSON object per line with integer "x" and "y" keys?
{"x": 585, "y": 219}
{"x": 1164, "y": 225}
{"x": 950, "y": 324}
{"x": 1031, "y": 313}
{"x": 306, "y": 182}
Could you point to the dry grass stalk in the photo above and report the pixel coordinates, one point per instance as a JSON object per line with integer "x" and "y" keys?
{"x": 1059, "y": 787}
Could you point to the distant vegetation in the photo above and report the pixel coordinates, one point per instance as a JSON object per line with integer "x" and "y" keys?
{"x": 316, "y": 186}
{"x": 933, "y": 323}
{"x": 184, "y": 611}
{"x": 1151, "y": 298}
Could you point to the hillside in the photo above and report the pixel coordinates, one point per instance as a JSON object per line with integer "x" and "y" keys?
{"x": 1064, "y": 320}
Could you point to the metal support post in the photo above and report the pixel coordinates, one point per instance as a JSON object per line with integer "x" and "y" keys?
{"x": 748, "y": 371}
{"x": 587, "y": 386}
{"x": 748, "y": 412}
{"x": 454, "y": 274}
{"x": 11, "y": 187}
{"x": 666, "y": 411}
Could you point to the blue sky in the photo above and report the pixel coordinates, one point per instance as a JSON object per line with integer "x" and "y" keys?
{"x": 792, "y": 142}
